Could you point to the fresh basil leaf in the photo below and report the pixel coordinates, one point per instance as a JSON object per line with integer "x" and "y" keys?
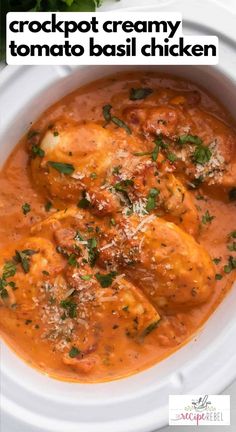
{"x": 63, "y": 168}
{"x": 139, "y": 93}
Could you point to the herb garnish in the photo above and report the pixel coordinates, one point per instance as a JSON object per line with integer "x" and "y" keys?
{"x": 106, "y": 280}
{"x": 202, "y": 154}
{"x": 151, "y": 199}
{"x": 123, "y": 184}
{"x": 22, "y": 257}
{"x": 37, "y": 151}
{"x": 74, "y": 352}
{"x": 193, "y": 139}
{"x": 48, "y": 206}
{"x": 139, "y": 93}
{"x": 26, "y": 208}
{"x": 9, "y": 270}
{"x": 110, "y": 118}
{"x": 207, "y": 218}
{"x": 70, "y": 306}
{"x": 231, "y": 265}
{"x": 150, "y": 328}
{"x": 63, "y": 168}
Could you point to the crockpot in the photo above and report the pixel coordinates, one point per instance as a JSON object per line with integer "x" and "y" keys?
{"x": 31, "y": 401}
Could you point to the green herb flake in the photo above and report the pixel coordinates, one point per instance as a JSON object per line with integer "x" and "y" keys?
{"x": 84, "y": 203}
{"x": 106, "y": 280}
{"x": 63, "y": 168}
{"x": 123, "y": 184}
{"x": 218, "y": 276}
{"x": 193, "y": 139}
{"x": 106, "y": 110}
{"x": 70, "y": 306}
{"x": 231, "y": 265}
{"x": 207, "y": 218}
{"x": 9, "y": 270}
{"x": 22, "y": 257}
{"x": 172, "y": 157}
{"x": 150, "y": 328}
{"x": 37, "y": 151}
{"x": 72, "y": 261}
{"x": 139, "y": 93}
{"x": 48, "y": 206}
{"x": 232, "y": 247}
{"x": 202, "y": 154}
{"x": 86, "y": 277}
{"x": 232, "y": 234}
{"x": 74, "y": 352}
{"x": 26, "y": 208}
{"x": 151, "y": 199}
{"x": 120, "y": 123}
{"x": 216, "y": 260}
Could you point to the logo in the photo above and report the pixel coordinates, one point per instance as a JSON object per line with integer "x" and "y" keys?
{"x": 199, "y": 410}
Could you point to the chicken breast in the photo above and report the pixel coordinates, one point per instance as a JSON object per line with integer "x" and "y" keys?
{"x": 76, "y": 158}
{"x": 166, "y": 263}
{"x": 202, "y": 144}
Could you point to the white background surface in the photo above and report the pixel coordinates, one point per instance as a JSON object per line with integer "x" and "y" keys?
{"x": 232, "y": 389}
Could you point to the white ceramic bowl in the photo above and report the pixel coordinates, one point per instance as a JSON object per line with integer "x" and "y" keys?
{"x": 33, "y": 402}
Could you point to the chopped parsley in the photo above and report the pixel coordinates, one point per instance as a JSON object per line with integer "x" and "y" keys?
{"x": 139, "y": 93}
{"x": 63, "y": 168}
{"x": 93, "y": 175}
{"x": 106, "y": 280}
{"x": 231, "y": 265}
{"x": 74, "y": 352}
{"x": 218, "y": 276}
{"x": 151, "y": 199}
{"x": 26, "y": 208}
{"x": 207, "y": 218}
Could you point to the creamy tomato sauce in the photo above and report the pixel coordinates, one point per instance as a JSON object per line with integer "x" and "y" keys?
{"x": 117, "y": 226}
